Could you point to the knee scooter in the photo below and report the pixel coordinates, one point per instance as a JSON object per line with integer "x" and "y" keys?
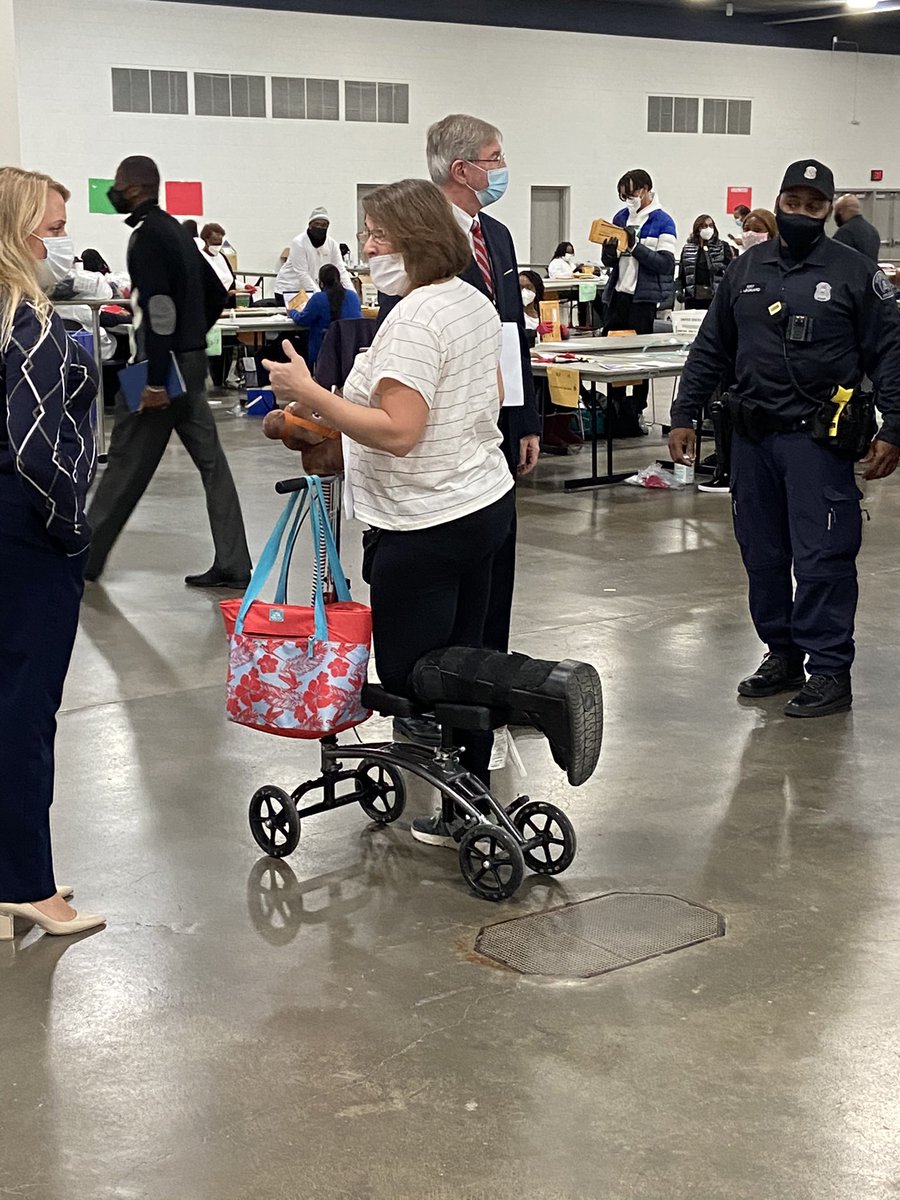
{"x": 495, "y": 844}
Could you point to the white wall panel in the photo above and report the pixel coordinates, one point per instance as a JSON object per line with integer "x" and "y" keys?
{"x": 572, "y": 108}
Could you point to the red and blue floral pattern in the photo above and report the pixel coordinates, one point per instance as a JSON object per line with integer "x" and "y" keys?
{"x": 291, "y": 684}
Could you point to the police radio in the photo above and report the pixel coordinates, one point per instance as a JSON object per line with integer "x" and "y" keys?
{"x": 846, "y": 421}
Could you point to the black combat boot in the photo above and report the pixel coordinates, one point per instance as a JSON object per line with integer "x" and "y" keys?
{"x": 776, "y": 673}
{"x": 564, "y": 700}
{"x": 821, "y": 695}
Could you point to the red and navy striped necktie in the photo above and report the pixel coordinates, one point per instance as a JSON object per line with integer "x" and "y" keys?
{"x": 481, "y": 256}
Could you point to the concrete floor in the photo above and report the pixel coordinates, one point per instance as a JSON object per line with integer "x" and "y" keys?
{"x": 320, "y": 1030}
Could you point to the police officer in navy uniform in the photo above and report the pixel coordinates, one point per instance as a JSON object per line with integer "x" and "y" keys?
{"x": 794, "y": 319}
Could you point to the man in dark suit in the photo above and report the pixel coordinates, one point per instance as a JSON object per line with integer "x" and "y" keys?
{"x": 853, "y": 228}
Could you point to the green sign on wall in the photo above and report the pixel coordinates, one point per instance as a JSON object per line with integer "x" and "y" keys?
{"x": 97, "y": 198}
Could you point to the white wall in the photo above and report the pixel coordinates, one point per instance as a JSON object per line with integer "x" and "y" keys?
{"x": 9, "y": 94}
{"x": 572, "y": 108}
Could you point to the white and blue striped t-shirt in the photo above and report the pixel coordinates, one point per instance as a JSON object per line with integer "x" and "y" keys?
{"x": 443, "y": 341}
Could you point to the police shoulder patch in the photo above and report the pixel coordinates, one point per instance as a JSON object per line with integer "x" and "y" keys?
{"x": 882, "y": 286}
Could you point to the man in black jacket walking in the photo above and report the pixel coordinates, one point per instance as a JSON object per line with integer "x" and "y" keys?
{"x": 176, "y": 299}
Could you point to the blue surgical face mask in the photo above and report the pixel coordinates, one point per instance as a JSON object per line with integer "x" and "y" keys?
{"x": 498, "y": 182}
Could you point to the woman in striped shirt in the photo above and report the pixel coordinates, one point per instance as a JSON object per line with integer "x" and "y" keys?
{"x": 420, "y": 410}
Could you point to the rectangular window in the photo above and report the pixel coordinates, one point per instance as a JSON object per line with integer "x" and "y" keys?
{"x": 322, "y": 100}
{"x": 360, "y": 101}
{"x": 715, "y": 116}
{"x": 305, "y": 99}
{"x": 288, "y": 98}
{"x": 144, "y": 91}
{"x": 386, "y": 103}
{"x": 393, "y": 103}
{"x": 739, "y": 116}
{"x": 130, "y": 90}
{"x": 686, "y": 114}
{"x": 168, "y": 91}
{"x": 726, "y": 116}
{"x": 229, "y": 95}
{"x": 672, "y": 114}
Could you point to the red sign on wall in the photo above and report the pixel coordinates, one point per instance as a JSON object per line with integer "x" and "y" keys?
{"x": 738, "y": 195}
{"x": 184, "y": 199}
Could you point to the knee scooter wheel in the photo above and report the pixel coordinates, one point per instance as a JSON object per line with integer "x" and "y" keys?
{"x": 491, "y": 862}
{"x": 274, "y": 822}
{"x": 549, "y": 836}
{"x": 383, "y": 791}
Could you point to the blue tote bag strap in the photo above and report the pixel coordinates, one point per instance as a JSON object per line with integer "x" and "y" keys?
{"x": 303, "y": 510}
{"x": 269, "y": 556}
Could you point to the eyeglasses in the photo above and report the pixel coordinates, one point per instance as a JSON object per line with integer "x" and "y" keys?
{"x": 377, "y": 236}
{"x": 496, "y": 160}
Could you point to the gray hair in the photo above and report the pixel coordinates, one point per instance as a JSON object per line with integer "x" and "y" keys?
{"x": 457, "y": 137}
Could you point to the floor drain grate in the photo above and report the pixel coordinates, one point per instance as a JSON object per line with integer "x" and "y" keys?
{"x": 599, "y": 935}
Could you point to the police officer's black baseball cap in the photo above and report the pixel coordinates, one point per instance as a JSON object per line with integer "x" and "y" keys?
{"x": 809, "y": 172}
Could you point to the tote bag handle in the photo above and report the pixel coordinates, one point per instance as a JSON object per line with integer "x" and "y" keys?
{"x": 310, "y": 500}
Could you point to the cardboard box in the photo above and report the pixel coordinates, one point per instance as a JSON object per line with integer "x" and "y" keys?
{"x": 602, "y": 230}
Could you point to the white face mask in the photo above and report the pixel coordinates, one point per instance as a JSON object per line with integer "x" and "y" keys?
{"x": 214, "y": 249}
{"x": 633, "y": 204}
{"x": 527, "y": 296}
{"x": 388, "y": 272}
{"x": 753, "y": 238}
{"x": 707, "y": 234}
{"x": 59, "y": 261}
{"x": 570, "y": 258}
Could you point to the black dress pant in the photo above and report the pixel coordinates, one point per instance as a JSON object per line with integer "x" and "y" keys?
{"x": 626, "y": 313}
{"x": 431, "y": 588}
{"x": 39, "y": 601}
{"x": 136, "y": 446}
{"x": 799, "y": 526}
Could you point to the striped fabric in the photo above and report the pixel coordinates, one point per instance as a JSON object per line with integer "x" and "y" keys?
{"x": 443, "y": 341}
{"x": 479, "y": 249}
{"x": 48, "y": 384}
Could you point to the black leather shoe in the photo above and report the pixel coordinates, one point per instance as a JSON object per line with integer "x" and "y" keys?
{"x": 215, "y": 579}
{"x": 821, "y": 695}
{"x": 776, "y": 673}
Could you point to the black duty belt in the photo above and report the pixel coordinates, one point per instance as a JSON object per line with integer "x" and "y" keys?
{"x": 754, "y": 422}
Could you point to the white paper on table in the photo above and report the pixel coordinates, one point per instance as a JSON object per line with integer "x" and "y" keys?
{"x": 511, "y": 366}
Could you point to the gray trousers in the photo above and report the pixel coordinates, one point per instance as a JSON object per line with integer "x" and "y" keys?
{"x": 136, "y": 446}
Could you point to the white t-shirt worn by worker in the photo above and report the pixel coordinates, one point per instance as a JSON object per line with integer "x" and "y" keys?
{"x": 443, "y": 341}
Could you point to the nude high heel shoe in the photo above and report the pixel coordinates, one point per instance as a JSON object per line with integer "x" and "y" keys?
{"x": 28, "y": 912}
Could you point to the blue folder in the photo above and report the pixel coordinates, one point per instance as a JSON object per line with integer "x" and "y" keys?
{"x": 133, "y": 380}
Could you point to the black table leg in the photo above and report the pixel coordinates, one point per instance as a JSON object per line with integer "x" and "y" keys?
{"x": 595, "y": 480}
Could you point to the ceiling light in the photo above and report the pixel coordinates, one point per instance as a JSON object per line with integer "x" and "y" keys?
{"x": 861, "y": 5}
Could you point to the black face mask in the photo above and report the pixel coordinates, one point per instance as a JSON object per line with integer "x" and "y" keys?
{"x": 317, "y": 236}
{"x": 800, "y": 234}
{"x": 116, "y": 197}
